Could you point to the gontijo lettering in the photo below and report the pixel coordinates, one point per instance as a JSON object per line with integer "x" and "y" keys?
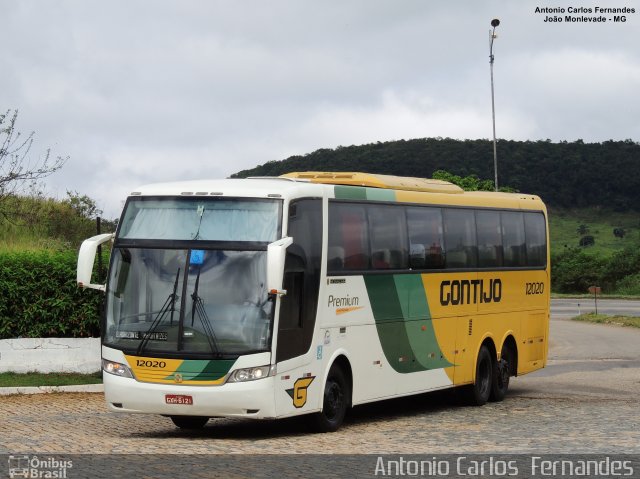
{"x": 470, "y": 291}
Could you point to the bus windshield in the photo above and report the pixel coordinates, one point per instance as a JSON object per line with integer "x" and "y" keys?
{"x": 188, "y": 276}
{"x": 211, "y": 302}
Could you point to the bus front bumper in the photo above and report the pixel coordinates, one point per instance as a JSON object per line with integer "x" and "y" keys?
{"x": 253, "y": 399}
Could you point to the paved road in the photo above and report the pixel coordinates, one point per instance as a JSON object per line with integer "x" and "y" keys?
{"x": 566, "y": 308}
{"x": 586, "y": 401}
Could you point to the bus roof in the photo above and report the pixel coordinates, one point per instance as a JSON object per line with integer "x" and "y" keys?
{"x": 377, "y": 181}
{"x": 344, "y": 185}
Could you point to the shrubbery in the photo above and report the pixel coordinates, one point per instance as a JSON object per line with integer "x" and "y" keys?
{"x": 573, "y": 271}
{"x": 39, "y": 297}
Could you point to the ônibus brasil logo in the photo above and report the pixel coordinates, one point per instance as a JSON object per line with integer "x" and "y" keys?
{"x": 38, "y": 467}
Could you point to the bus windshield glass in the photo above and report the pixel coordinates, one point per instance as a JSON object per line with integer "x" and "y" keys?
{"x": 188, "y": 276}
{"x": 201, "y": 218}
{"x": 202, "y": 302}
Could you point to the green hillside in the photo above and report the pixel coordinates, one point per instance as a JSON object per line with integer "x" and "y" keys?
{"x": 565, "y": 175}
{"x": 566, "y": 225}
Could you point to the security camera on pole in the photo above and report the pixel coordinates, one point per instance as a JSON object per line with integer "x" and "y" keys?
{"x": 492, "y": 36}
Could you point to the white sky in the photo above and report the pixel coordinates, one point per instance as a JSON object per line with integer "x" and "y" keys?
{"x": 144, "y": 91}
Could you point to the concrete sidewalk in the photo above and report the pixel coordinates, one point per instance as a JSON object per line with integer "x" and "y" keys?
{"x": 76, "y": 388}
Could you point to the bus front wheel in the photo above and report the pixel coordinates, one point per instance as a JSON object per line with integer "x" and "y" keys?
{"x": 478, "y": 393}
{"x": 335, "y": 402}
{"x": 189, "y": 422}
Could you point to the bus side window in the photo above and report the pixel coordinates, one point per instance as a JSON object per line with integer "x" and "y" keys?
{"x": 425, "y": 237}
{"x": 536, "y": 235}
{"x": 489, "y": 239}
{"x": 348, "y": 238}
{"x": 460, "y": 238}
{"x": 513, "y": 239}
{"x": 387, "y": 231}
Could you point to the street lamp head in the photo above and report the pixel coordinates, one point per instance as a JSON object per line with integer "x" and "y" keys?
{"x": 495, "y": 22}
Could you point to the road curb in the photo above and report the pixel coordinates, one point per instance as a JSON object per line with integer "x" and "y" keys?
{"x": 76, "y": 388}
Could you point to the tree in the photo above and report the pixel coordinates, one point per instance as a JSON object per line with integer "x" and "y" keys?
{"x": 587, "y": 241}
{"x": 83, "y": 205}
{"x": 582, "y": 230}
{"x": 19, "y": 172}
{"x": 619, "y": 232}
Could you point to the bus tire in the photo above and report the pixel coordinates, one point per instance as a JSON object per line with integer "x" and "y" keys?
{"x": 478, "y": 393}
{"x": 335, "y": 402}
{"x": 190, "y": 422}
{"x": 501, "y": 374}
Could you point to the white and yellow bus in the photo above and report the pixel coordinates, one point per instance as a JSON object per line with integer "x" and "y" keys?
{"x": 314, "y": 292}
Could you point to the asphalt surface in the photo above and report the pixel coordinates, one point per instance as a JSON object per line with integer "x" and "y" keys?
{"x": 568, "y": 308}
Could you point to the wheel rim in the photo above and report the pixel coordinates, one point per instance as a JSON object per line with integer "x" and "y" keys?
{"x": 333, "y": 400}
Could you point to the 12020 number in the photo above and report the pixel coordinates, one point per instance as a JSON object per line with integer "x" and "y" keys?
{"x": 150, "y": 364}
{"x": 534, "y": 288}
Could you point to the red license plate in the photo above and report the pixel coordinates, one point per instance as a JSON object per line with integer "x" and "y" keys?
{"x": 178, "y": 399}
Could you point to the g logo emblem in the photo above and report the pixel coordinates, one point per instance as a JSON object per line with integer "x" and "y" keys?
{"x": 299, "y": 391}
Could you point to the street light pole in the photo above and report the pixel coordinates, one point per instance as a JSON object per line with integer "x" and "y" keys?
{"x": 492, "y": 35}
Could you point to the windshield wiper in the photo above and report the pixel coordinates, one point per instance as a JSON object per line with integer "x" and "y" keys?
{"x": 169, "y": 304}
{"x": 197, "y": 306}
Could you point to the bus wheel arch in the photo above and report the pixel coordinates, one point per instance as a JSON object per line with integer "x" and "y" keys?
{"x": 336, "y": 396}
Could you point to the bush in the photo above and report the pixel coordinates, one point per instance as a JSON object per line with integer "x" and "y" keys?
{"x": 573, "y": 271}
{"x": 40, "y": 297}
{"x": 625, "y": 262}
{"x": 629, "y": 285}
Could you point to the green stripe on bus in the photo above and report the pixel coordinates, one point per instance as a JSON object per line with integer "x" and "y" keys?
{"x": 201, "y": 370}
{"x": 349, "y": 192}
{"x": 215, "y": 369}
{"x": 343, "y": 192}
{"x": 380, "y": 194}
{"x": 403, "y": 322}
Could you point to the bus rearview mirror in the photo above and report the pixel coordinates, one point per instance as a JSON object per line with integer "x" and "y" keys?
{"x": 86, "y": 257}
{"x": 276, "y": 253}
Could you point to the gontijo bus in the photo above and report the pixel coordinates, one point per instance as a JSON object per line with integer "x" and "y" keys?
{"x": 314, "y": 292}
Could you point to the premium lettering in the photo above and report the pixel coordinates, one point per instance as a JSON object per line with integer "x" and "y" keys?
{"x": 338, "y": 302}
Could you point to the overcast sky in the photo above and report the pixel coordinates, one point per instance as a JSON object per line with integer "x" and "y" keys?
{"x": 143, "y": 91}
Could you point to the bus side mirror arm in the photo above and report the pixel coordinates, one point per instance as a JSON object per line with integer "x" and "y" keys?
{"x": 276, "y": 253}
{"x": 86, "y": 257}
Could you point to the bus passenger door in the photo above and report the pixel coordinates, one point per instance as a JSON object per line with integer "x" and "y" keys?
{"x": 298, "y": 307}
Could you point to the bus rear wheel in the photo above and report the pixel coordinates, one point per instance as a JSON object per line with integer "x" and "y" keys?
{"x": 335, "y": 402}
{"x": 478, "y": 393}
{"x": 190, "y": 422}
{"x": 501, "y": 374}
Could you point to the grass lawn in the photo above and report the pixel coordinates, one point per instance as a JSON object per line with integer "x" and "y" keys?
{"x": 50, "y": 379}
{"x": 633, "y": 321}
{"x": 599, "y": 223}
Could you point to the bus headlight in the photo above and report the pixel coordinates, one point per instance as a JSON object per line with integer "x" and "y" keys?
{"x": 251, "y": 374}
{"x": 117, "y": 369}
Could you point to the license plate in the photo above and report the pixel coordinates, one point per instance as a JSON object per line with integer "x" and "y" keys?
{"x": 178, "y": 399}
